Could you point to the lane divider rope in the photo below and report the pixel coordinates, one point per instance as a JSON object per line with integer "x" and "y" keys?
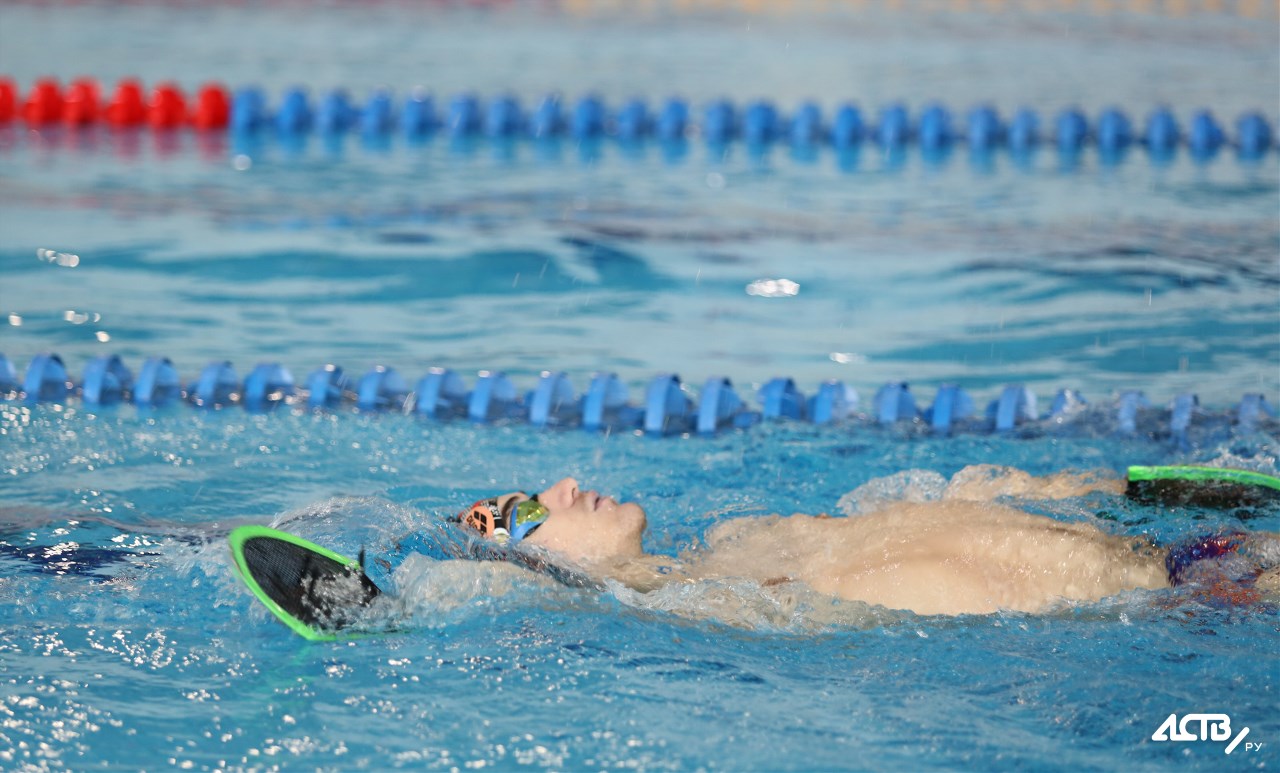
{"x": 667, "y": 407}
{"x": 759, "y": 123}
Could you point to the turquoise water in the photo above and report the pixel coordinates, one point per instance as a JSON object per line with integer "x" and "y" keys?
{"x": 127, "y": 643}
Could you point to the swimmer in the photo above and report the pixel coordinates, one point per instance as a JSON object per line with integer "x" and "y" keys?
{"x": 962, "y": 554}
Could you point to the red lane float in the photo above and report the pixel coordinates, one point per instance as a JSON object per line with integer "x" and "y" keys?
{"x": 212, "y": 109}
{"x": 8, "y": 100}
{"x": 128, "y": 107}
{"x": 44, "y": 105}
{"x": 168, "y": 108}
{"x": 81, "y": 106}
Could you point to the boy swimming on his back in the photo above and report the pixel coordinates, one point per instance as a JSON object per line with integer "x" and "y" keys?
{"x": 960, "y": 555}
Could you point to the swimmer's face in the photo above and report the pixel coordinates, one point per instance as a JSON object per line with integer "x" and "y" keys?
{"x": 582, "y": 525}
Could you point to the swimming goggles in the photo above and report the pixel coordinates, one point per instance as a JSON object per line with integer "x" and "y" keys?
{"x": 519, "y": 522}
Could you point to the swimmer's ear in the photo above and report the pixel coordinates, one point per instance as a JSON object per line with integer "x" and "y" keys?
{"x": 1198, "y": 486}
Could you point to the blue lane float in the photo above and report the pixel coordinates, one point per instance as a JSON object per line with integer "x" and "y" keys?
{"x": 106, "y": 381}
{"x": 46, "y": 380}
{"x": 719, "y": 407}
{"x": 336, "y": 114}
{"x": 1016, "y": 405}
{"x": 807, "y": 127}
{"x": 894, "y": 403}
{"x": 983, "y": 129}
{"x": 1127, "y": 408}
{"x": 551, "y": 403}
{"x": 381, "y": 389}
{"x": 848, "y": 129}
{"x": 673, "y": 122}
{"x": 588, "y": 119}
{"x": 378, "y": 116}
{"x": 158, "y": 384}
{"x": 833, "y": 402}
{"x": 248, "y": 110}
{"x": 951, "y": 406}
{"x": 1067, "y": 403}
{"x": 1024, "y": 131}
{"x": 719, "y": 122}
{"x": 1114, "y": 132}
{"x": 1253, "y": 136}
{"x": 1206, "y": 135}
{"x": 216, "y": 386}
{"x": 781, "y": 399}
{"x": 463, "y": 119}
{"x": 606, "y": 406}
{"x": 267, "y": 386}
{"x": 893, "y": 130}
{"x": 1253, "y": 409}
{"x": 441, "y": 394}
{"x": 494, "y": 398}
{"x": 294, "y": 116}
{"x": 418, "y": 115}
{"x": 503, "y": 118}
{"x": 1180, "y": 415}
{"x": 1163, "y": 134}
{"x": 327, "y": 386}
{"x": 415, "y": 115}
{"x": 1071, "y": 130}
{"x": 633, "y": 121}
{"x": 667, "y": 407}
{"x": 547, "y": 120}
{"x": 934, "y": 130}
{"x": 759, "y": 123}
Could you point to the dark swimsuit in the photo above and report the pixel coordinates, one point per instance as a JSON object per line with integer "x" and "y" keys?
{"x": 1182, "y": 558}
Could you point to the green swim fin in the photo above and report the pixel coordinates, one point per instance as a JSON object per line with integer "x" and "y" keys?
{"x": 1200, "y": 486}
{"x": 313, "y": 590}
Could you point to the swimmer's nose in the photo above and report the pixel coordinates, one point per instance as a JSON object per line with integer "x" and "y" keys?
{"x": 562, "y": 493}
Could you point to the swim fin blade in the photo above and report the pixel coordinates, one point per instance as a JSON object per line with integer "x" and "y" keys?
{"x": 1200, "y": 486}
{"x": 316, "y": 592}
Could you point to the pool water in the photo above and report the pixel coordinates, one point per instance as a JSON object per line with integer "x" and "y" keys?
{"x": 127, "y": 642}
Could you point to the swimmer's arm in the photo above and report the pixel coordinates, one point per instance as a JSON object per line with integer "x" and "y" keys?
{"x": 987, "y": 482}
{"x": 646, "y": 573}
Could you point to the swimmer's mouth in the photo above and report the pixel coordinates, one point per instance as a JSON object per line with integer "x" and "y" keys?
{"x": 596, "y": 500}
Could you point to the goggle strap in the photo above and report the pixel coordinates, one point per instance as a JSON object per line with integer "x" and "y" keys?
{"x": 486, "y": 517}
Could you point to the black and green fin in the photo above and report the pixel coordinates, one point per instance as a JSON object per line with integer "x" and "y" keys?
{"x": 315, "y": 591}
{"x": 1199, "y": 486}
